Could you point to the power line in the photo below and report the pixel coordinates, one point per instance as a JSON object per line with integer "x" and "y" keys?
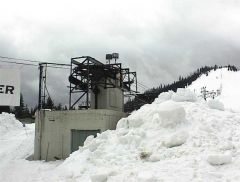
{"x": 134, "y": 84}
{"x": 143, "y": 85}
{"x": 14, "y": 62}
{"x": 141, "y": 100}
{"x": 27, "y": 60}
{"x": 59, "y": 65}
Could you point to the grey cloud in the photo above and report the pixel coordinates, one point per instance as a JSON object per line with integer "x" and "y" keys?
{"x": 161, "y": 40}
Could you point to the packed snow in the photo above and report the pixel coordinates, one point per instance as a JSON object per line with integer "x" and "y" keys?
{"x": 9, "y": 124}
{"x": 219, "y": 159}
{"x": 179, "y": 137}
{"x": 216, "y": 104}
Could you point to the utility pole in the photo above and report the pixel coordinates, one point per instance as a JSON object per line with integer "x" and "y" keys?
{"x": 40, "y": 87}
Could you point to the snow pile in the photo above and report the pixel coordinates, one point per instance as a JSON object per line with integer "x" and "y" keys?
{"x": 184, "y": 95}
{"x": 164, "y": 97}
{"x": 16, "y": 144}
{"x": 182, "y": 136}
{"x": 216, "y": 104}
{"x": 166, "y": 114}
{"x": 9, "y": 123}
{"x": 176, "y": 139}
{"x": 99, "y": 177}
{"x": 219, "y": 159}
{"x": 146, "y": 176}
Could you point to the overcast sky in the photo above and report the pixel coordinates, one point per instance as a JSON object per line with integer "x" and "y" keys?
{"x": 159, "y": 39}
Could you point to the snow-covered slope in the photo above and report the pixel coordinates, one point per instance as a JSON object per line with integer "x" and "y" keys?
{"x": 176, "y": 138}
{"x": 228, "y": 82}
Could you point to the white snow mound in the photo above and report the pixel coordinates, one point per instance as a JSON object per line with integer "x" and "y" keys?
{"x": 164, "y": 97}
{"x": 165, "y": 114}
{"x": 170, "y": 136}
{"x": 176, "y": 139}
{"x": 170, "y": 114}
{"x": 9, "y": 123}
{"x": 100, "y": 177}
{"x": 215, "y": 104}
{"x": 219, "y": 159}
{"x": 184, "y": 95}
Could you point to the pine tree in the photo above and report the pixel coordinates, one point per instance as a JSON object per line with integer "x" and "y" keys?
{"x": 33, "y": 110}
{"x": 49, "y": 104}
{"x": 19, "y": 110}
{"x": 59, "y": 107}
{"x": 26, "y": 112}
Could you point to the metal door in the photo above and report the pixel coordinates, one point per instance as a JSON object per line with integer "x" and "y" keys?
{"x": 79, "y": 136}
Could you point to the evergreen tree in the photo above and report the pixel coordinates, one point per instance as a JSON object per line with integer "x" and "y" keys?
{"x": 26, "y": 112}
{"x": 49, "y": 104}
{"x": 19, "y": 110}
{"x": 33, "y": 110}
{"x": 59, "y": 107}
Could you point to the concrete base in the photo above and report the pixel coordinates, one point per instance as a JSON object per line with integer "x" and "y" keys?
{"x": 53, "y": 129}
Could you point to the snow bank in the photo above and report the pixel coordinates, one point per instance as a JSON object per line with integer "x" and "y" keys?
{"x": 216, "y": 104}
{"x": 184, "y": 95}
{"x": 164, "y": 97}
{"x": 219, "y": 159}
{"x": 100, "y": 177}
{"x": 176, "y": 139}
{"x": 16, "y": 144}
{"x": 146, "y": 176}
{"x": 170, "y": 114}
{"x": 9, "y": 123}
{"x": 165, "y": 114}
